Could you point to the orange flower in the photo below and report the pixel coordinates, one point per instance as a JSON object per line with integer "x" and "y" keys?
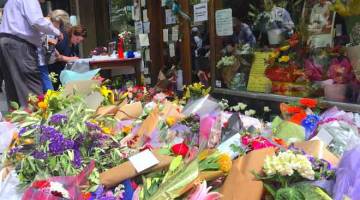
{"x": 126, "y": 129}
{"x": 280, "y": 142}
{"x": 42, "y": 105}
{"x": 298, "y": 118}
{"x": 310, "y": 103}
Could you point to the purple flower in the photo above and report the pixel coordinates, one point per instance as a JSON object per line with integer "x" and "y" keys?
{"x": 92, "y": 126}
{"x": 56, "y": 148}
{"x": 58, "y": 119}
{"x": 68, "y": 144}
{"x": 14, "y": 150}
{"x": 58, "y": 144}
{"x": 39, "y": 155}
{"x": 22, "y": 131}
{"x": 77, "y": 157}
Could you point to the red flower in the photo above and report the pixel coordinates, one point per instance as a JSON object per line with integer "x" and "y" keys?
{"x": 298, "y": 118}
{"x": 294, "y": 109}
{"x": 40, "y": 98}
{"x": 41, "y": 184}
{"x": 246, "y": 140}
{"x": 180, "y": 149}
{"x": 310, "y": 103}
{"x": 86, "y": 195}
{"x": 134, "y": 185}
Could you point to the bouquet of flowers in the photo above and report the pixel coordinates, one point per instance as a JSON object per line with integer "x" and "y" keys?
{"x": 284, "y": 173}
{"x": 62, "y": 144}
{"x": 127, "y": 38}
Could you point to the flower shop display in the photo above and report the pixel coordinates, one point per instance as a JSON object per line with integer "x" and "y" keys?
{"x": 283, "y": 69}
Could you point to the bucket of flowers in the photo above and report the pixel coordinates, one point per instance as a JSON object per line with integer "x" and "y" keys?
{"x": 283, "y": 69}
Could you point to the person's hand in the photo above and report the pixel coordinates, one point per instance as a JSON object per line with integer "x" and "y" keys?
{"x": 52, "y": 41}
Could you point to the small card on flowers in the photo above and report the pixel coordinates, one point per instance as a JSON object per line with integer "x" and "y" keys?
{"x": 144, "y": 160}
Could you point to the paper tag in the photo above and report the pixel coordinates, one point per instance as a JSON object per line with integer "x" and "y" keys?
{"x": 175, "y": 33}
{"x": 144, "y": 160}
{"x": 165, "y": 35}
{"x": 170, "y": 17}
{"x": 324, "y": 136}
{"x": 146, "y": 70}
{"x": 147, "y": 55}
{"x": 138, "y": 27}
{"x": 145, "y": 15}
{"x": 163, "y": 3}
{"x": 172, "y": 49}
{"x": 146, "y": 27}
{"x": 218, "y": 83}
{"x": 144, "y": 40}
{"x": 143, "y": 3}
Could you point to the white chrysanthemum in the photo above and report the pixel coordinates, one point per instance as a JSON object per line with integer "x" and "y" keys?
{"x": 269, "y": 168}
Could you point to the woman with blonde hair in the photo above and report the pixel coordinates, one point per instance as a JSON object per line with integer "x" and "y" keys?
{"x": 46, "y": 53}
{"x": 63, "y": 16}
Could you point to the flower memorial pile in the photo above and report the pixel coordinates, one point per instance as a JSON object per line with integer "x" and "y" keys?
{"x": 204, "y": 149}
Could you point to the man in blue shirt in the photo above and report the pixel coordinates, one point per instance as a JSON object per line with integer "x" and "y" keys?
{"x": 20, "y": 34}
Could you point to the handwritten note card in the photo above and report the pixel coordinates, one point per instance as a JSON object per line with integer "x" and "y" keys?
{"x": 224, "y": 23}
{"x": 172, "y": 49}
{"x": 165, "y": 35}
{"x": 145, "y": 16}
{"x": 170, "y": 17}
{"x": 143, "y": 160}
{"x": 144, "y": 40}
{"x": 201, "y": 12}
{"x": 175, "y": 33}
{"x": 257, "y": 79}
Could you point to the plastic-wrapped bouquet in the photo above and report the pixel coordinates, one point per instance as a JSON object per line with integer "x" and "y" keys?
{"x": 284, "y": 173}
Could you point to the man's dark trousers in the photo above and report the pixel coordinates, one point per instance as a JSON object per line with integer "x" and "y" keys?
{"x": 18, "y": 63}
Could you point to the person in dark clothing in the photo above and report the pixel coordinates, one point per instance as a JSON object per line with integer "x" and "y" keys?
{"x": 68, "y": 50}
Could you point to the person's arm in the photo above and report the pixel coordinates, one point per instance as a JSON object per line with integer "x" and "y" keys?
{"x": 62, "y": 58}
{"x": 34, "y": 16}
